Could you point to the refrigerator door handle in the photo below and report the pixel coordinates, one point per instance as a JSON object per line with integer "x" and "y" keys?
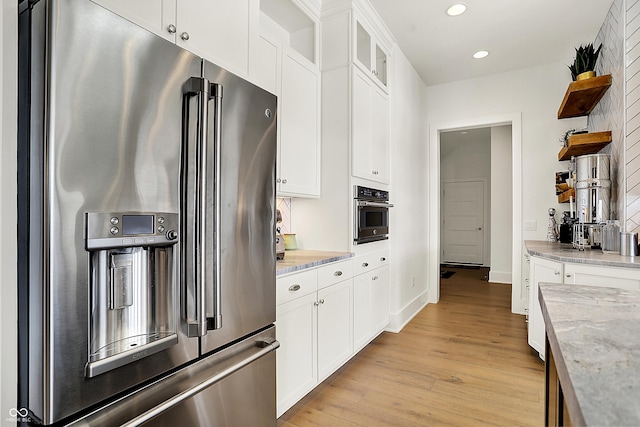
{"x": 215, "y": 321}
{"x": 197, "y": 86}
{"x": 266, "y": 346}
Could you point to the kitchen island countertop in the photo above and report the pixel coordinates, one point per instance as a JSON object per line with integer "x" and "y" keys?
{"x": 564, "y": 252}
{"x": 300, "y": 259}
{"x": 595, "y": 342}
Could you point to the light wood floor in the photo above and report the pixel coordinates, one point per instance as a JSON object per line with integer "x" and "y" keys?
{"x": 463, "y": 361}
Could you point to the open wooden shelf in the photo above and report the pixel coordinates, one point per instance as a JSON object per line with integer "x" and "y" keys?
{"x": 583, "y": 95}
{"x": 585, "y": 143}
{"x": 564, "y": 197}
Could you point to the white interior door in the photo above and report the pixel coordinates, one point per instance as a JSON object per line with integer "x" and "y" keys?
{"x": 463, "y": 231}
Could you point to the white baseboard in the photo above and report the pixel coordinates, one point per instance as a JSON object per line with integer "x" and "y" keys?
{"x": 399, "y": 320}
{"x": 500, "y": 277}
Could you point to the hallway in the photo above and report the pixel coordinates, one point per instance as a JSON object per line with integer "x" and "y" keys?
{"x": 463, "y": 361}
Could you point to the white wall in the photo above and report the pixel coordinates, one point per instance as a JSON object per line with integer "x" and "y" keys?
{"x": 409, "y": 161}
{"x": 8, "y": 220}
{"x": 534, "y": 94}
{"x": 501, "y": 205}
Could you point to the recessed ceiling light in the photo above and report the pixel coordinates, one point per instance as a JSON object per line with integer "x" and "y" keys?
{"x": 480, "y": 54}
{"x": 457, "y": 9}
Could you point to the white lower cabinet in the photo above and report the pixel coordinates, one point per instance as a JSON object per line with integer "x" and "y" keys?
{"x": 370, "y": 298}
{"x": 323, "y": 317}
{"x": 314, "y": 328}
{"x": 335, "y": 343}
{"x": 545, "y": 270}
{"x": 540, "y": 270}
{"x": 296, "y": 359}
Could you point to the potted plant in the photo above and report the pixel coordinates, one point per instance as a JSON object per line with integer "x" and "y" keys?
{"x": 584, "y": 64}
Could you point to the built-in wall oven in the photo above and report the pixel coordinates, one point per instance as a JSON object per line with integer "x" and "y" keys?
{"x": 371, "y": 215}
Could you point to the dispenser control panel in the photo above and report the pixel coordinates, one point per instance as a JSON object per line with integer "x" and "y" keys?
{"x": 125, "y": 229}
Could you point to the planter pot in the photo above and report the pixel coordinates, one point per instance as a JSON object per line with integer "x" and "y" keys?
{"x": 585, "y": 75}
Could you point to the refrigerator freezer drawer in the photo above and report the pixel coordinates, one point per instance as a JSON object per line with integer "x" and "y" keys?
{"x": 234, "y": 387}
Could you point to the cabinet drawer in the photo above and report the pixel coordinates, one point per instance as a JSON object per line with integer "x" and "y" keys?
{"x": 296, "y": 285}
{"x": 364, "y": 264}
{"x": 381, "y": 258}
{"x": 334, "y": 273}
{"x": 368, "y": 262}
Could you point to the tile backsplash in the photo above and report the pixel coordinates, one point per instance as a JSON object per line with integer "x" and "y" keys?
{"x": 285, "y": 210}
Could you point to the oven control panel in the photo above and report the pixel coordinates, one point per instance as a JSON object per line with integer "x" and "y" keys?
{"x": 123, "y": 229}
{"x": 371, "y": 193}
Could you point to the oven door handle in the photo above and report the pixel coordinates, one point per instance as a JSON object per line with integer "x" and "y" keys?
{"x": 374, "y": 204}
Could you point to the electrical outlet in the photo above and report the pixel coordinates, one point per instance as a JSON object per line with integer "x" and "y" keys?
{"x": 530, "y": 225}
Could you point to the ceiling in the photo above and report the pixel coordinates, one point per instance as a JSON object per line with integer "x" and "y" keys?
{"x": 518, "y": 34}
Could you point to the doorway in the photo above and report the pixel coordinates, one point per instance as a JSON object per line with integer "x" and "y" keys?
{"x": 518, "y": 301}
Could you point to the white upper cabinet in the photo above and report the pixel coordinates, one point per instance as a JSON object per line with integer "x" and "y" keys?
{"x": 285, "y": 61}
{"x": 354, "y": 55}
{"x": 369, "y": 54}
{"x": 370, "y": 127}
{"x": 299, "y": 166}
{"x": 218, "y": 30}
{"x": 157, "y": 16}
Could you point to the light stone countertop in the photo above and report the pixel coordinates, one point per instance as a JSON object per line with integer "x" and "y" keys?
{"x": 564, "y": 252}
{"x": 595, "y": 339}
{"x": 300, "y": 259}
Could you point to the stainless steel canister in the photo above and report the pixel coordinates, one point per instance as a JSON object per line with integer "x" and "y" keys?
{"x": 611, "y": 237}
{"x": 628, "y": 244}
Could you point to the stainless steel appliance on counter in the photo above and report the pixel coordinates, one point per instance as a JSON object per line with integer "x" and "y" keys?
{"x": 371, "y": 215}
{"x": 593, "y": 199}
{"x": 146, "y": 217}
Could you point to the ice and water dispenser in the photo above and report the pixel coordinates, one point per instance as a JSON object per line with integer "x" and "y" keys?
{"x": 132, "y": 286}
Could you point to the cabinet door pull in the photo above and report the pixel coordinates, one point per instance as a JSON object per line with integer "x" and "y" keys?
{"x": 294, "y": 288}
{"x": 568, "y": 275}
{"x": 557, "y": 273}
{"x": 284, "y": 181}
{"x": 365, "y": 264}
{"x": 184, "y": 36}
{"x": 383, "y": 259}
{"x": 337, "y": 273}
{"x": 171, "y": 29}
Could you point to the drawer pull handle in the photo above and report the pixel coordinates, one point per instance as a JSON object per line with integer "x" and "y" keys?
{"x": 383, "y": 259}
{"x": 568, "y": 275}
{"x": 338, "y": 273}
{"x": 294, "y": 288}
{"x": 365, "y": 264}
{"x": 557, "y": 273}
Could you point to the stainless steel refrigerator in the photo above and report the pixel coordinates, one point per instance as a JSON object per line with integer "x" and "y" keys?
{"x": 146, "y": 217}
